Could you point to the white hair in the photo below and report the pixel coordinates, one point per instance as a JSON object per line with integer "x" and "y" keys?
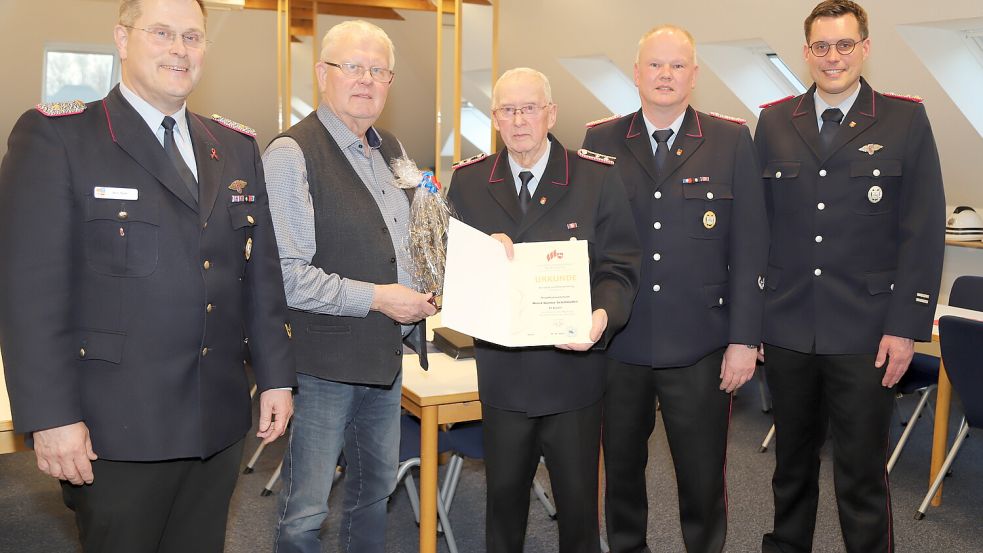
{"x": 360, "y": 29}
{"x": 527, "y": 72}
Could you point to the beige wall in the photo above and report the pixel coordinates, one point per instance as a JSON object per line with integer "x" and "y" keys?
{"x": 240, "y": 83}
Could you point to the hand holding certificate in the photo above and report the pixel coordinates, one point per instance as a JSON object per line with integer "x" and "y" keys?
{"x": 539, "y": 298}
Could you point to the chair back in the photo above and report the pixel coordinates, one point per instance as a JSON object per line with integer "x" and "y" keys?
{"x": 962, "y": 348}
{"x": 967, "y": 293}
{"x": 409, "y": 438}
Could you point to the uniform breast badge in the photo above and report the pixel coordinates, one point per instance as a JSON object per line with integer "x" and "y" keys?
{"x": 875, "y": 194}
{"x": 238, "y": 186}
{"x": 709, "y": 220}
{"x": 870, "y": 149}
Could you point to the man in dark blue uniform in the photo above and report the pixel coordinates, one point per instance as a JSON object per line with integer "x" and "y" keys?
{"x": 857, "y": 213}
{"x": 139, "y": 254}
{"x": 544, "y": 400}
{"x": 696, "y": 192}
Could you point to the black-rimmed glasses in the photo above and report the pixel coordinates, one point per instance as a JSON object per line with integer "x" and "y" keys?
{"x": 844, "y": 47}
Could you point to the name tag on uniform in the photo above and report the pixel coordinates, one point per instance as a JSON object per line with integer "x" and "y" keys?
{"x": 110, "y": 193}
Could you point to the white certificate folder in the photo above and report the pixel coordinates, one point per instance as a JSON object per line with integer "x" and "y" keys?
{"x": 539, "y": 298}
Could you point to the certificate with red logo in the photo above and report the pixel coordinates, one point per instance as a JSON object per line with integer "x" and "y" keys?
{"x": 539, "y": 298}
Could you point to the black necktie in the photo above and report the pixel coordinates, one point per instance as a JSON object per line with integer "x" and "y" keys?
{"x": 831, "y": 124}
{"x": 524, "y": 197}
{"x": 170, "y": 148}
{"x": 662, "y": 149}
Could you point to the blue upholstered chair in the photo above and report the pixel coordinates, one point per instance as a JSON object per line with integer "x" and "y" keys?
{"x": 962, "y": 343}
{"x": 922, "y": 376}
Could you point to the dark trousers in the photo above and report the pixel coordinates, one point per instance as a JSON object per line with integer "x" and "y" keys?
{"x": 178, "y": 506}
{"x": 513, "y": 444}
{"x": 696, "y": 415}
{"x": 811, "y": 393}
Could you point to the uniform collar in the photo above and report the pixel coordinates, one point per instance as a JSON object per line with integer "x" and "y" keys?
{"x": 675, "y": 126}
{"x": 151, "y": 115}
{"x": 537, "y": 169}
{"x": 843, "y": 106}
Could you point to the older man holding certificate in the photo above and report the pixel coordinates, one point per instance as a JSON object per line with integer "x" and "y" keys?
{"x": 546, "y": 399}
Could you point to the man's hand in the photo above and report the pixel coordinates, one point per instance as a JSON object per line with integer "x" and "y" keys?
{"x": 897, "y": 351}
{"x": 737, "y": 367}
{"x": 507, "y": 242}
{"x": 275, "y": 409}
{"x": 65, "y": 452}
{"x": 402, "y": 304}
{"x": 599, "y": 322}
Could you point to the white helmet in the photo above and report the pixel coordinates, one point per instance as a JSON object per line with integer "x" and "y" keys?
{"x": 964, "y": 225}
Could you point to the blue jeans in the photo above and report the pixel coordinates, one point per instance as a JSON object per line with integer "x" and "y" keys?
{"x": 331, "y": 417}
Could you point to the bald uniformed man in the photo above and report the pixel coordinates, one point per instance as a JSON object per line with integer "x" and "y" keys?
{"x": 696, "y": 193}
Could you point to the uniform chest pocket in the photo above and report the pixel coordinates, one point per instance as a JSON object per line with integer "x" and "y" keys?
{"x": 121, "y": 237}
{"x": 242, "y": 216}
{"x": 707, "y": 208}
{"x": 875, "y": 185}
{"x": 781, "y": 183}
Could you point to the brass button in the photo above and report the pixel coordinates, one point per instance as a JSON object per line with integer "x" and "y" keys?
{"x": 250, "y": 219}
{"x": 204, "y": 352}
{"x": 399, "y": 352}
{"x": 122, "y": 215}
{"x": 207, "y": 264}
{"x": 208, "y": 308}
{"x": 81, "y": 352}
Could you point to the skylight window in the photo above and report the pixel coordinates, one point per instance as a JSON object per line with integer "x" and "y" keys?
{"x": 952, "y": 51}
{"x": 751, "y": 70}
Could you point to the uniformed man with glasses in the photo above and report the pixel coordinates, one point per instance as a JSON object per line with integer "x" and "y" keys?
{"x": 139, "y": 252}
{"x": 857, "y": 216}
{"x": 342, "y": 227}
{"x": 546, "y": 400}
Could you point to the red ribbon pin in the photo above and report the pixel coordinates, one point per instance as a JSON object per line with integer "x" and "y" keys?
{"x": 214, "y": 154}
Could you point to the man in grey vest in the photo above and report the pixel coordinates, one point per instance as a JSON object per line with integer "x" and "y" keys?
{"x": 341, "y": 224}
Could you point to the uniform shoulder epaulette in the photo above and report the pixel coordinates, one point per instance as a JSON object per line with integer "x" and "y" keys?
{"x": 61, "y": 109}
{"x": 237, "y": 127}
{"x": 776, "y": 102}
{"x": 469, "y": 161}
{"x": 737, "y": 120}
{"x": 908, "y": 97}
{"x": 596, "y": 122}
{"x": 594, "y": 156}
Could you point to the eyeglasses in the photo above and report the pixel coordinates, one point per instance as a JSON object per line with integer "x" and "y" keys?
{"x": 163, "y": 36}
{"x": 354, "y": 71}
{"x": 508, "y": 112}
{"x": 844, "y": 47}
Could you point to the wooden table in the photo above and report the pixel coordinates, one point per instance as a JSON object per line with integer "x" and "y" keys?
{"x": 943, "y": 400}
{"x": 446, "y": 393}
{"x": 9, "y": 442}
